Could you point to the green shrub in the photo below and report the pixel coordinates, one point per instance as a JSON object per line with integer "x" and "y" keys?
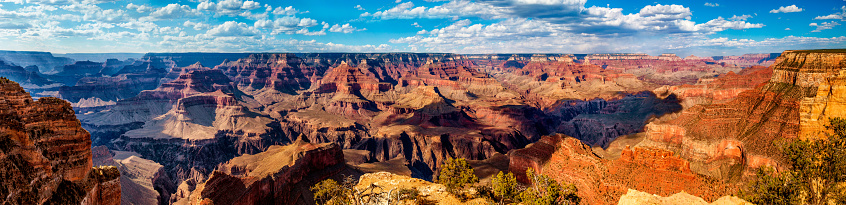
{"x": 455, "y": 174}
{"x": 816, "y": 177}
{"x": 546, "y": 191}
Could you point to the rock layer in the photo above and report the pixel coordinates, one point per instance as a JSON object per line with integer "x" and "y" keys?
{"x": 275, "y": 176}
{"x": 46, "y": 155}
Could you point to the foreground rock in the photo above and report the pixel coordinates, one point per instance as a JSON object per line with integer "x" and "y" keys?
{"x": 45, "y": 155}
{"x": 142, "y": 181}
{"x": 634, "y": 197}
{"x": 280, "y": 175}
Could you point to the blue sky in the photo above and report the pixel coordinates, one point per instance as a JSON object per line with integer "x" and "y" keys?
{"x": 701, "y": 28}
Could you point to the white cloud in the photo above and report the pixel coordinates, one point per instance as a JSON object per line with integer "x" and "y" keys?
{"x": 721, "y": 24}
{"x": 143, "y": 26}
{"x": 740, "y": 18}
{"x": 50, "y": 2}
{"x": 451, "y": 9}
{"x": 786, "y": 29}
{"x": 835, "y": 16}
{"x": 359, "y": 7}
{"x": 108, "y": 15}
{"x": 229, "y": 7}
{"x": 13, "y": 1}
{"x": 346, "y": 28}
{"x": 305, "y": 31}
{"x": 711, "y": 4}
{"x": 172, "y": 11}
{"x": 287, "y": 11}
{"x": 232, "y": 28}
{"x": 139, "y": 8}
{"x": 286, "y": 24}
{"x": 787, "y": 9}
{"x": 824, "y": 26}
{"x": 196, "y": 25}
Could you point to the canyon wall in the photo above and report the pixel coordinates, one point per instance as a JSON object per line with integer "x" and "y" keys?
{"x": 46, "y": 155}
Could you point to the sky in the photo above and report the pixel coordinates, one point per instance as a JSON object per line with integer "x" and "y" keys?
{"x": 702, "y": 28}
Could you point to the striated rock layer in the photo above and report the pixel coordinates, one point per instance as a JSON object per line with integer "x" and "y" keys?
{"x": 602, "y": 180}
{"x": 681, "y": 198}
{"x": 279, "y": 175}
{"x": 726, "y": 139}
{"x": 45, "y": 155}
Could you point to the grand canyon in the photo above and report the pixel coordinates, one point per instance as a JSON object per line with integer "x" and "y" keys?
{"x": 490, "y": 102}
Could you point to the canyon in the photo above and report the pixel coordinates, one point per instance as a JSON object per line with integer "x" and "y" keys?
{"x": 230, "y": 128}
{"x": 46, "y": 155}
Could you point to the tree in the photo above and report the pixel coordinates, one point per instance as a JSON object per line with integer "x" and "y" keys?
{"x": 817, "y": 174}
{"x": 545, "y": 190}
{"x": 330, "y": 192}
{"x": 504, "y": 187}
{"x": 455, "y": 174}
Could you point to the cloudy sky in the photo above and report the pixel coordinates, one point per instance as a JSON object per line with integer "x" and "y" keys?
{"x": 712, "y": 27}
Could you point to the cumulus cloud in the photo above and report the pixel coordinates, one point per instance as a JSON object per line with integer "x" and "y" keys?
{"x": 172, "y": 11}
{"x": 346, "y": 28}
{"x": 359, "y": 7}
{"x": 233, "y": 28}
{"x": 824, "y": 26}
{"x": 286, "y": 24}
{"x": 787, "y": 9}
{"x": 711, "y": 4}
{"x": 452, "y": 9}
{"x": 229, "y": 7}
{"x": 740, "y": 18}
{"x": 835, "y": 16}
{"x": 196, "y": 25}
{"x": 287, "y": 11}
{"x": 139, "y": 8}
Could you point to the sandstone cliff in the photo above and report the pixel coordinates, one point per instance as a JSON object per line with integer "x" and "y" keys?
{"x": 725, "y": 139}
{"x": 602, "y": 180}
{"x": 46, "y": 155}
{"x": 636, "y": 197}
{"x": 280, "y": 175}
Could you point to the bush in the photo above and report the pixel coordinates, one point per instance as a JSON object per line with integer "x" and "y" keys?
{"x": 545, "y": 190}
{"x": 455, "y": 174}
{"x": 504, "y": 187}
{"x": 816, "y": 177}
{"x": 330, "y": 192}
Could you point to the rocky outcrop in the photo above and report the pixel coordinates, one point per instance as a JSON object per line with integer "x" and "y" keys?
{"x": 275, "y": 176}
{"x": 724, "y": 139}
{"x": 46, "y": 155}
{"x": 601, "y": 180}
{"x": 746, "y": 60}
{"x": 717, "y": 90}
{"x": 638, "y": 197}
{"x": 142, "y": 181}
{"x": 672, "y": 70}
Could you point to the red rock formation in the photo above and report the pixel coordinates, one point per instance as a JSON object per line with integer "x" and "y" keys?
{"x": 46, "y": 156}
{"x": 270, "y": 177}
{"x": 743, "y": 133}
{"x": 603, "y": 180}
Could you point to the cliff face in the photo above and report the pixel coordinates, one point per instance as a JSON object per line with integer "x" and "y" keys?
{"x": 603, "y": 180}
{"x": 795, "y": 102}
{"x": 46, "y": 155}
{"x": 279, "y": 175}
